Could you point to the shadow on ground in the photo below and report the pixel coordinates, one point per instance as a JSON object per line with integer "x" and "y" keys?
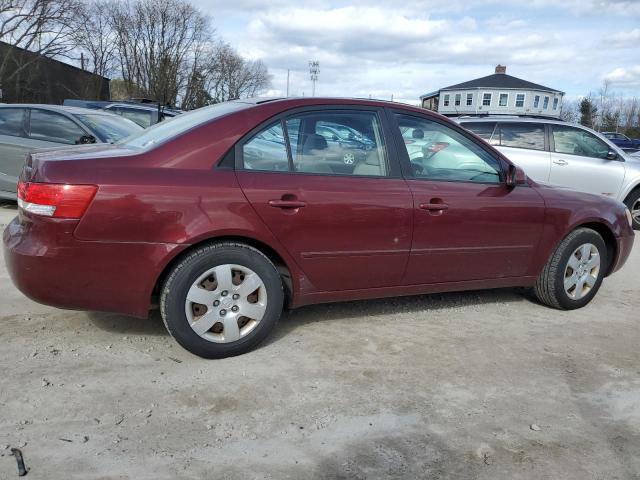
{"x": 116, "y": 323}
{"x": 300, "y": 317}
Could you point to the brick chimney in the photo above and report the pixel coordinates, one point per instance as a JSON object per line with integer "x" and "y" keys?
{"x": 501, "y": 69}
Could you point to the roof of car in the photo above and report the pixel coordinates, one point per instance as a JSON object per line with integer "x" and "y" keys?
{"x": 56, "y": 108}
{"x": 511, "y": 119}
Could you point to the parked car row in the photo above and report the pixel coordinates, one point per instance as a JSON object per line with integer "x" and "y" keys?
{"x": 622, "y": 140}
{"x": 24, "y": 128}
{"x": 558, "y": 153}
{"x": 228, "y": 214}
{"x": 144, "y": 114}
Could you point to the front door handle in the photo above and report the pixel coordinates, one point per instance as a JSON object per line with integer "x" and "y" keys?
{"x": 287, "y": 203}
{"x": 434, "y": 207}
{"x": 561, "y": 162}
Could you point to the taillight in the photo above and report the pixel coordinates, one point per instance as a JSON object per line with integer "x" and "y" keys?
{"x": 55, "y": 199}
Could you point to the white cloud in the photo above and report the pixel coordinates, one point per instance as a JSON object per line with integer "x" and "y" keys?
{"x": 629, "y": 39}
{"x": 625, "y": 76}
{"x": 368, "y": 47}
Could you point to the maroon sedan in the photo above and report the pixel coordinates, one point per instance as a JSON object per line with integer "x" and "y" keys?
{"x": 230, "y": 213}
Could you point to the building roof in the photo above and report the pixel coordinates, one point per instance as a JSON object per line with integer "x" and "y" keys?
{"x": 50, "y": 59}
{"x": 500, "y": 80}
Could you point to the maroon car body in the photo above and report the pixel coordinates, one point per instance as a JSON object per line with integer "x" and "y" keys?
{"x": 355, "y": 238}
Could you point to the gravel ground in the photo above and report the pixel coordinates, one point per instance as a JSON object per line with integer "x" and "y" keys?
{"x": 485, "y": 385}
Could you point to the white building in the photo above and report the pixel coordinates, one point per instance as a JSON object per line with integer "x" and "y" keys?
{"x": 497, "y": 94}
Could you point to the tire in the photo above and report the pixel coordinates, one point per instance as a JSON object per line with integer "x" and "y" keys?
{"x": 550, "y": 289}
{"x": 633, "y": 204}
{"x": 190, "y": 279}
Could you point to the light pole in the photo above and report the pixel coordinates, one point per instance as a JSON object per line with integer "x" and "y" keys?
{"x": 314, "y": 70}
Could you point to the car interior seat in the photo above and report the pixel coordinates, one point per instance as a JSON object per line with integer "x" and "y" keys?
{"x": 313, "y": 155}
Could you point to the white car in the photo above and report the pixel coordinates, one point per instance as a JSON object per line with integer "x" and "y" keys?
{"x": 560, "y": 153}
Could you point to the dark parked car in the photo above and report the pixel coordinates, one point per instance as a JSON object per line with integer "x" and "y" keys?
{"x": 179, "y": 215}
{"x": 622, "y": 140}
{"x": 26, "y": 127}
{"x": 144, "y": 114}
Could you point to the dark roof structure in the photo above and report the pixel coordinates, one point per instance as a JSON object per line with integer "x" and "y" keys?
{"x": 33, "y": 78}
{"x": 500, "y": 80}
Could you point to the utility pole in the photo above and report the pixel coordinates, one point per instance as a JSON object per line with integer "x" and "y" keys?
{"x": 314, "y": 70}
{"x": 288, "y": 81}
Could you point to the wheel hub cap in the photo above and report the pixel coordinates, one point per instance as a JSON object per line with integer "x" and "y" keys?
{"x": 582, "y": 271}
{"x": 226, "y": 303}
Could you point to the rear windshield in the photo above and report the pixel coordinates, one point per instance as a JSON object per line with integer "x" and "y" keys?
{"x": 108, "y": 128}
{"x": 173, "y": 127}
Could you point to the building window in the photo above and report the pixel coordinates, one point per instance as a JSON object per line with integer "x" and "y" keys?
{"x": 504, "y": 100}
{"x": 486, "y": 99}
{"x": 545, "y": 105}
{"x": 457, "y": 100}
{"x": 536, "y": 101}
{"x": 520, "y": 100}
{"x": 555, "y": 103}
{"x": 446, "y": 101}
{"x": 469, "y": 99}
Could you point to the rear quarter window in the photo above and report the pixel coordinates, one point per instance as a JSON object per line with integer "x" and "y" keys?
{"x": 521, "y": 135}
{"x": 482, "y": 129}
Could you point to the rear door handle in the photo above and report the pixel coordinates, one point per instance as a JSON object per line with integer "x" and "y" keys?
{"x": 287, "y": 203}
{"x": 561, "y": 162}
{"x": 434, "y": 206}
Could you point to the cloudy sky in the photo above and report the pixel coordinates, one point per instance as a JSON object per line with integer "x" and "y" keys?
{"x": 407, "y": 48}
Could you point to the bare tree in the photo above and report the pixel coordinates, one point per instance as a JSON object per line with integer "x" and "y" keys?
{"x": 96, "y": 42}
{"x": 156, "y": 42}
{"x": 234, "y": 77}
{"x": 221, "y": 74}
{"x": 44, "y": 27}
{"x": 95, "y": 39}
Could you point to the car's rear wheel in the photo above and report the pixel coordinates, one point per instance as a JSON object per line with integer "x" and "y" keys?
{"x": 574, "y": 273}
{"x": 633, "y": 204}
{"x": 222, "y": 300}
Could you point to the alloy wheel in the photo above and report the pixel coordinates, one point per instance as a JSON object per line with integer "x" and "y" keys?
{"x": 582, "y": 270}
{"x": 635, "y": 211}
{"x": 349, "y": 158}
{"x": 226, "y": 303}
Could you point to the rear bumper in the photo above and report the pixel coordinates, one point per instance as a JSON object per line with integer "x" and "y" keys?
{"x": 623, "y": 250}
{"x": 50, "y": 266}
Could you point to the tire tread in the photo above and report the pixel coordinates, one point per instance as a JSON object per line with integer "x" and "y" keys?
{"x": 545, "y": 286}
{"x": 192, "y": 255}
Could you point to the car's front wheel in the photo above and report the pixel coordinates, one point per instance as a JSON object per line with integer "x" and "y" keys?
{"x": 222, "y": 300}
{"x": 574, "y": 273}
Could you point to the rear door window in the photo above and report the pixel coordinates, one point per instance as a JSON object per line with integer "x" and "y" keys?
{"x": 338, "y": 143}
{"x": 266, "y": 150}
{"x": 12, "y": 121}
{"x": 521, "y": 135}
{"x": 53, "y": 127}
{"x": 329, "y": 142}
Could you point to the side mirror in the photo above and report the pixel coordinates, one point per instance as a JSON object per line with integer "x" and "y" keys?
{"x": 611, "y": 155}
{"x": 515, "y": 176}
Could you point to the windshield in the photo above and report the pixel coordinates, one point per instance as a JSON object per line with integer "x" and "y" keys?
{"x": 173, "y": 127}
{"x": 108, "y": 128}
